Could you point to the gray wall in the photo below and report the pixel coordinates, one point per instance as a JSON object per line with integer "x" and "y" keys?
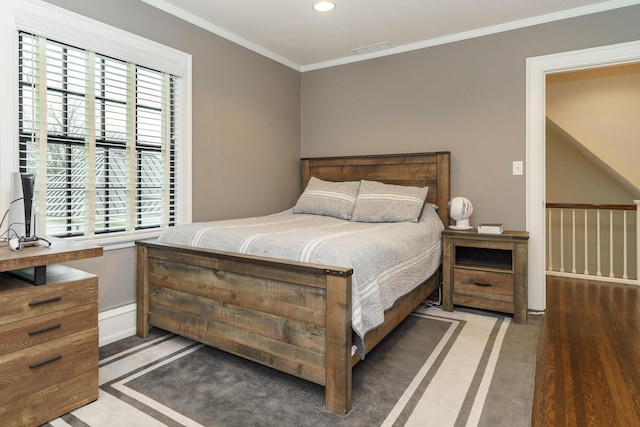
{"x": 253, "y": 118}
{"x": 246, "y": 128}
{"x": 467, "y": 97}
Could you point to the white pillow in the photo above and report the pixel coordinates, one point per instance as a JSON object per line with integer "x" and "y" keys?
{"x": 336, "y": 199}
{"x": 379, "y": 202}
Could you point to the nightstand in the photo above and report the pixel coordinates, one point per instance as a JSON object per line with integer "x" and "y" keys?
{"x": 487, "y": 271}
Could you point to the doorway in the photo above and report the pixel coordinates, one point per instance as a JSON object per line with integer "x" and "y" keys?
{"x": 537, "y": 69}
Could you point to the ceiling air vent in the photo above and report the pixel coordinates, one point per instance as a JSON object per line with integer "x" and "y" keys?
{"x": 372, "y": 48}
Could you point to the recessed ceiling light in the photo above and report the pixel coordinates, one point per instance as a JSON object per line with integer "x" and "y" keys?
{"x": 324, "y": 6}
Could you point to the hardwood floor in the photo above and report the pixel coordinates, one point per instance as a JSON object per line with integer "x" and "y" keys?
{"x": 588, "y": 358}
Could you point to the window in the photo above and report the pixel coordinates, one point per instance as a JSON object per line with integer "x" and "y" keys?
{"x": 100, "y": 135}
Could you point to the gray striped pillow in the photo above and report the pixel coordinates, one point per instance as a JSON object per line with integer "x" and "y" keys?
{"x": 378, "y": 202}
{"x": 335, "y": 199}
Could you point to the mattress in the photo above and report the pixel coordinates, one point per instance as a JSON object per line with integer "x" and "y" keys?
{"x": 388, "y": 259}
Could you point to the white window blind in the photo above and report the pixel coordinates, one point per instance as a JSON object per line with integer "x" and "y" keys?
{"x": 99, "y": 134}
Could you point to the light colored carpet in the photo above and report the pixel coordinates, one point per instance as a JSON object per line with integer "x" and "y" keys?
{"x": 465, "y": 368}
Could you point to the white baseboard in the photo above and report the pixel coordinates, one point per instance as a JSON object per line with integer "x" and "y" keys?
{"x": 117, "y": 323}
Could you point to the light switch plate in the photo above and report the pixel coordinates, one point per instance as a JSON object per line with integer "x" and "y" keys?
{"x": 517, "y": 167}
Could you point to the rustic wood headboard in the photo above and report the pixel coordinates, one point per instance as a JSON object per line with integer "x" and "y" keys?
{"x": 419, "y": 170}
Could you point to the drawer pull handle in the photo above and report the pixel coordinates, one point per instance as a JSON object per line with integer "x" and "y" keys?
{"x": 45, "y": 361}
{"x": 485, "y": 285}
{"x": 45, "y": 329}
{"x": 46, "y": 300}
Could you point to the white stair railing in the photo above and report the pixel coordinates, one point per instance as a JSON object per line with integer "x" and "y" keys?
{"x": 588, "y": 238}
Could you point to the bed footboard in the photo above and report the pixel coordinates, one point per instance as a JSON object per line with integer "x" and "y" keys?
{"x": 291, "y": 316}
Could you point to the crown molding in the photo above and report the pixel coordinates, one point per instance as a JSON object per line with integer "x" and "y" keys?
{"x": 523, "y": 23}
{"x": 466, "y": 35}
{"x": 206, "y": 25}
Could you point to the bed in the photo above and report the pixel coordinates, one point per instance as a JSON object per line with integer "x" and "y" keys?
{"x": 291, "y": 315}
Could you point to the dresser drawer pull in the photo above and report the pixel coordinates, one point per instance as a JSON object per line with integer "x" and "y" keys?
{"x": 45, "y": 329}
{"x": 45, "y": 361}
{"x": 46, "y": 300}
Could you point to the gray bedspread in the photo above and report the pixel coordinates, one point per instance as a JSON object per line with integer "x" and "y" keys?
{"x": 388, "y": 259}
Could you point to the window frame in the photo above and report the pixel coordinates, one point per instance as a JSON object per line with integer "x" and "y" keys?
{"x": 64, "y": 26}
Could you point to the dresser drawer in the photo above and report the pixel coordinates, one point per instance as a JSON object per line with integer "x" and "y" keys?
{"x": 46, "y": 404}
{"x": 45, "y": 366}
{"x": 19, "y": 302}
{"x": 483, "y": 284}
{"x": 17, "y": 336}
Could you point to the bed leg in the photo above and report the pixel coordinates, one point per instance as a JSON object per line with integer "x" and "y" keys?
{"x": 338, "y": 351}
{"x": 142, "y": 298}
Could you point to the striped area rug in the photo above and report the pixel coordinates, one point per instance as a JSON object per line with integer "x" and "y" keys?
{"x": 465, "y": 368}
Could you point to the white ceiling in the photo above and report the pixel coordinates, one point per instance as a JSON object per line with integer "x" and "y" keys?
{"x": 291, "y": 32}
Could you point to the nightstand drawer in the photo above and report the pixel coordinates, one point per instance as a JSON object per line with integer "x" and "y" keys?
{"x": 46, "y": 365}
{"x": 17, "y": 336}
{"x": 483, "y": 284}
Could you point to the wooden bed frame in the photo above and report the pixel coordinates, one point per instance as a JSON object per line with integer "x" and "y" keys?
{"x": 291, "y": 316}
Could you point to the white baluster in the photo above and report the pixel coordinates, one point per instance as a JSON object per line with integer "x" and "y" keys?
{"x": 599, "y": 272}
{"x": 573, "y": 240}
{"x": 611, "y": 243}
{"x": 550, "y": 267}
{"x": 586, "y": 245}
{"x": 562, "y": 240}
{"x": 624, "y": 245}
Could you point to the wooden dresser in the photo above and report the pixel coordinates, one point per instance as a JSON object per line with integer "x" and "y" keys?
{"x": 48, "y": 333}
{"x": 487, "y": 271}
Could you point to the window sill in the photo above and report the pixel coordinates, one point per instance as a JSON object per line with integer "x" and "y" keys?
{"x": 113, "y": 243}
